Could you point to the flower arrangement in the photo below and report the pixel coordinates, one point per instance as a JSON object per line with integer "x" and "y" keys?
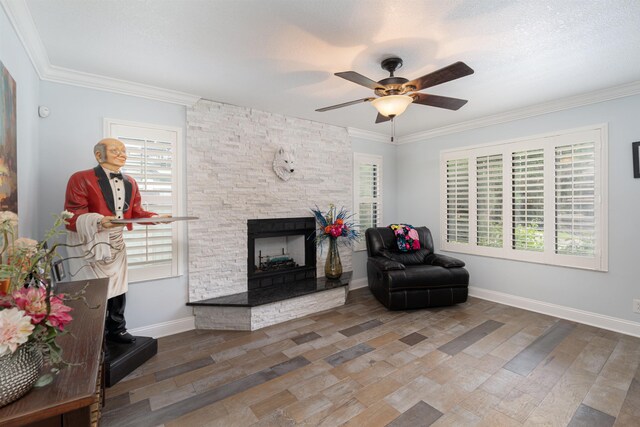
{"x": 30, "y": 312}
{"x": 333, "y": 224}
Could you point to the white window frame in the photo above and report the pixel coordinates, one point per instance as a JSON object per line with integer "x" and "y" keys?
{"x": 597, "y": 133}
{"x": 113, "y": 128}
{"x": 359, "y": 159}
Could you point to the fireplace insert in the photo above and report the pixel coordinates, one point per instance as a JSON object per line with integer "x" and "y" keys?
{"x": 280, "y": 251}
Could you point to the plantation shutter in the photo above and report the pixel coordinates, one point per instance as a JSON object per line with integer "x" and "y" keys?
{"x": 527, "y": 171}
{"x": 368, "y": 191}
{"x": 489, "y": 200}
{"x": 150, "y": 164}
{"x": 457, "y": 181}
{"x": 151, "y": 161}
{"x": 575, "y": 199}
{"x": 539, "y": 200}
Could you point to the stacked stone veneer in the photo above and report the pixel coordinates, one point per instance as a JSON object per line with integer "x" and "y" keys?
{"x": 230, "y": 179}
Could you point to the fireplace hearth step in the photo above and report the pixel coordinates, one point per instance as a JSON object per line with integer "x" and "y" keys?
{"x": 258, "y": 308}
{"x": 271, "y": 294}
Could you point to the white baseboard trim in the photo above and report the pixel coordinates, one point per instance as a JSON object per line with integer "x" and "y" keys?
{"x": 588, "y": 318}
{"x": 164, "y": 329}
{"x": 358, "y": 283}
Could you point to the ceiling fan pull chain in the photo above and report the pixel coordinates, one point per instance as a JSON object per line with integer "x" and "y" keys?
{"x": 393, "y": 129}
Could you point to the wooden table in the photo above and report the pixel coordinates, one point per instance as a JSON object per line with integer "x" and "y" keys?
{"x": 68, "y": 399}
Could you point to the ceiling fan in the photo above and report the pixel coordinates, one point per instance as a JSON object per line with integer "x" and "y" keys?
{"x": 396, "y": 93}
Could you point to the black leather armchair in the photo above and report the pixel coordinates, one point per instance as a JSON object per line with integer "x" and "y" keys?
{"x": 418, "y": 279}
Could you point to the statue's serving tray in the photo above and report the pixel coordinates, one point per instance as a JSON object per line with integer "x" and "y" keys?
{"x": 154, "y": 220}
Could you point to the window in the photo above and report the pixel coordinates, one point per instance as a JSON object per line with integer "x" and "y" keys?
{"x": 367, "y": 190}
{"x": 458, "y": 200}
{"x": 537, "y": 200}
{"x": 152, "y": 251}
{"x": 489, "y": 200}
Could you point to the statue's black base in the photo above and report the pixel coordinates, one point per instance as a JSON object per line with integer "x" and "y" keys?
{"x": 122, "y": 359}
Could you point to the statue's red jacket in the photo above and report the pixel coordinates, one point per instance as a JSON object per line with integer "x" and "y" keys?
{"x": 89, "y": 191}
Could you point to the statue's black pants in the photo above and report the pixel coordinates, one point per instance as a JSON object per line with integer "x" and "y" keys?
{"x": 115, "y": 322}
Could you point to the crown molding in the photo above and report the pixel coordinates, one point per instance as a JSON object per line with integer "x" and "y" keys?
{"x": 369, "y": 135}
{"x": 94, "y": 81}
{"x": 22, "y": 21}
{"x": 594, "y": 97}
{"x": 20, "y": 17}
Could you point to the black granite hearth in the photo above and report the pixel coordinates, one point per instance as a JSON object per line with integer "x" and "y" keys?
{"x": 268, "y": 295}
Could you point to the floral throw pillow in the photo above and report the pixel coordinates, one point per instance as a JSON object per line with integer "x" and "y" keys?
{"x": 406, "y": 236}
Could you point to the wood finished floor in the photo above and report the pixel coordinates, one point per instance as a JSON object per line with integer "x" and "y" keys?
{"x": 474, "y": 364}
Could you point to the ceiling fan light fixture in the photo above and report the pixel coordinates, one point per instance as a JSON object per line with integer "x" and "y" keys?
{"x": 392, "y": 105}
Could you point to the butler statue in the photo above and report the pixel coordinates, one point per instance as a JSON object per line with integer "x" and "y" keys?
{"x": 97, "y": 197}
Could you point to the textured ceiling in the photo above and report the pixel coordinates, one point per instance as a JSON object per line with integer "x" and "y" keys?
{"x": 280, "y": 55}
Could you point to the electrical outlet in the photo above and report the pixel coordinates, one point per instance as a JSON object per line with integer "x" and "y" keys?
{"x": 636, "y": 306}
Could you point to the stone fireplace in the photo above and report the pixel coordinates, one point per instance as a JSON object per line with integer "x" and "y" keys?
{"x": 231, "y": 183}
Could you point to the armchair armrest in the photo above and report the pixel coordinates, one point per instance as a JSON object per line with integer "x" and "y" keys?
{"x": 385, "y": 264}
{"x": 443, "y": 261}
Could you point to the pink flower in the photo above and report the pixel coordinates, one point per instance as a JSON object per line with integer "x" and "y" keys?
{"x": 6, "y": 301}
{"x": 59, "y": 316}
{"x": 413, "y": 234}
{"x": 415, "y": 244}
{"x": 33, "y": 301}
{"x": 15, "y": 329}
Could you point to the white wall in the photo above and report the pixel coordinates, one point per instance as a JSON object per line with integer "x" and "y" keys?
{"x": 15, "y": 59}
{"x": 608, "y": 294}
{"x": 389, "y": 199}
{"x": 66, "y": 143}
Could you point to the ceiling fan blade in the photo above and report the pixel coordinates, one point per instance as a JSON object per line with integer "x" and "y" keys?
{"x": 443, "y": 75}
{"x": 438, "y": 101}
{"x": 354, "y": 77}
{"x": 382, "y": 118}
{"x": 345, "y": 104}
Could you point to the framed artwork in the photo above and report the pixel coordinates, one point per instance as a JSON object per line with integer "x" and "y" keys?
{"x": 8, "y": 143}
{"x": 636, "y": 166}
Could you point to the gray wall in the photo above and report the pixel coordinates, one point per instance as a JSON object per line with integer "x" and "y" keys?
{"x": 66, "y": 143}
{"x": 606, "y": 293}
{"x": 15, "y": 59}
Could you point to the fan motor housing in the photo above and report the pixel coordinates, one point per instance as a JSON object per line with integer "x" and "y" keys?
{"x": 392, "y": 85}
{"x": 391, "y": 64}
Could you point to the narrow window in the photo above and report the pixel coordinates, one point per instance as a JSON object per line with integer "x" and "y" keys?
{"x": 367, "y": 173}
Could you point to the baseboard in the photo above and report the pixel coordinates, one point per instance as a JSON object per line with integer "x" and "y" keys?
{"x": 358, "y": 283}
{"x": 164, "y": 329}
{"x": 588, "y": 318}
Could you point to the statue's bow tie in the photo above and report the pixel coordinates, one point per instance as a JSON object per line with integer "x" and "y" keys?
{"x": 115, "y": 175}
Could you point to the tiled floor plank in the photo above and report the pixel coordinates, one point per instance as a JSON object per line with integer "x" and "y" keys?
{"x": 474, "y": 364}
{"x": 420, "y": 414}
